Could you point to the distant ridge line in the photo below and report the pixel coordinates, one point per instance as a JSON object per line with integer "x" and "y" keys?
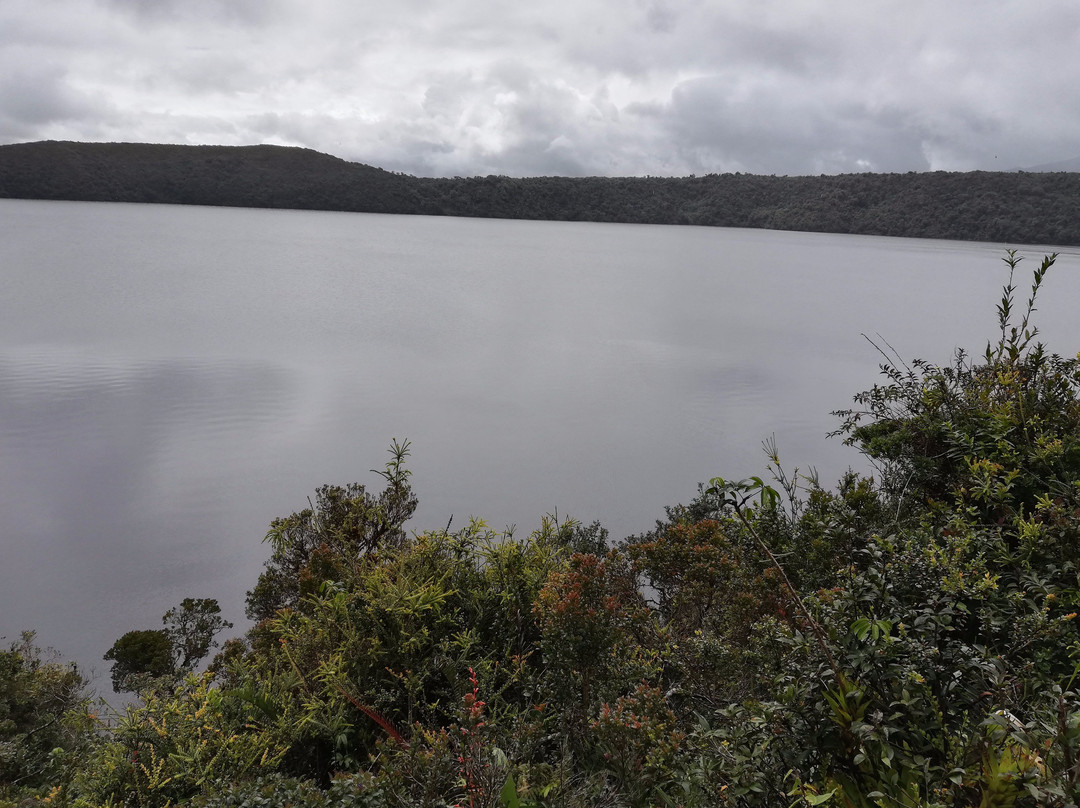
{"x": 1011, "y": 207}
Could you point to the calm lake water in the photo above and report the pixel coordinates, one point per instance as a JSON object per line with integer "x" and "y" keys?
{"x": 172, "y": 378}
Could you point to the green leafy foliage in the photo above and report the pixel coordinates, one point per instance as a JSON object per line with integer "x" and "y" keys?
{"x": 312, "y": 546}
{"x": 908, "y": 639}
{"x": 1001, "y": 436}
{"x": 192, "y": 628}
{"x": 139, "y": 657}
{"x": 180, "y": 743}
{"x": 637, "y": 739}
{"x": 149, "y": 658}
{"x": 712, "y": 598}
{"x": 45, "y": 718}
{"x": 591, "y": 616}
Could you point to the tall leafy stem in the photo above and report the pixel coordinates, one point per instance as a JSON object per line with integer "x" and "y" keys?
{"x": 1016, "y": 339}
{"x": 737, "y": 495}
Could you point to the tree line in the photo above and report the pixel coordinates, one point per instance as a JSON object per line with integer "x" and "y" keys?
{"x": 1008, "y": 207}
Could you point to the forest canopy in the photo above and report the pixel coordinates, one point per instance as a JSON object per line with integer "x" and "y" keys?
{"x": 1010, "y": 207}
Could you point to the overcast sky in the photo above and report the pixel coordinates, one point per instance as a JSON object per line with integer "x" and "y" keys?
{"x": 570, "y": 87}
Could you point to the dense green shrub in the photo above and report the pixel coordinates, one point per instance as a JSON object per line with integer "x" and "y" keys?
{"x": 46, "y": 721}
{"x": 907, "y": 639}
{"x": 919, "y": 678}
{"x": 140, "y": 657}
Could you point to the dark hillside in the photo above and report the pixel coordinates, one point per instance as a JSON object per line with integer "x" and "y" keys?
{"x": 975, "y": 206}
{"x": 248, "y": 176}
{"x": 1011, "y": 207}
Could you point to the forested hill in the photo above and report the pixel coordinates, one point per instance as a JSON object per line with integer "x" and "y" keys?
{"x": 1011, "y": 207}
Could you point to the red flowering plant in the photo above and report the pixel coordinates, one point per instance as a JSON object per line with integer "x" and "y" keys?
{"x": 483, "y": 767}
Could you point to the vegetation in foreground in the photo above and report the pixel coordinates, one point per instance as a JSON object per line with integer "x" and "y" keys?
{"x": 906, "y": 639}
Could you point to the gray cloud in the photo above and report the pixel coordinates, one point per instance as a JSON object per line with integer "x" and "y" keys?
{"x": 786, "y": 130}
{"x": 34, "y": 100}
{"x": 480, "y": 86}
{"x": 170, "y": 11}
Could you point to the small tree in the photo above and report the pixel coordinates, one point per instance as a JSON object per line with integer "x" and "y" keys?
{"x": 140, "y": 656}
{"x": 192, "y": 628}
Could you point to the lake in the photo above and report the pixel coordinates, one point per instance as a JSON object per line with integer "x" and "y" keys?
{"x": 173, "y": 378}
